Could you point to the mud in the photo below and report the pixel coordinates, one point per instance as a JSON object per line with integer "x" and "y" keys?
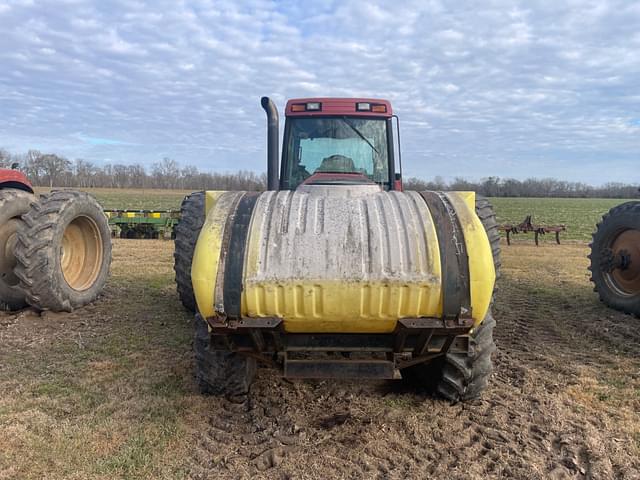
{"x": 547, "y": 412}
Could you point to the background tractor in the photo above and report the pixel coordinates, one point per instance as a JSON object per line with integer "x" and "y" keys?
{"x": 335, "y": 272}
{"x": 615, "y": 258}
{"x": 55, "y": 250}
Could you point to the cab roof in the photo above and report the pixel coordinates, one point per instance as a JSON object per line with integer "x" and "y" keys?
{"x": 338, "y": 106}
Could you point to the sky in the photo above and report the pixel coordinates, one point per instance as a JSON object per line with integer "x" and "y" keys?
{"x": 483, "y": 88}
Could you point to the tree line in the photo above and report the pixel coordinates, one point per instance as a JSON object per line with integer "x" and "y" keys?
{"x": 531, "y": 187}
{"x": 51, "y": 170}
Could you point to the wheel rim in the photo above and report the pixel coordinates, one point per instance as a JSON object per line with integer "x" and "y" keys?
{"x": 8, "y": 239}
{"x": 626, "y": 280}
{"x": 81, "y": 256}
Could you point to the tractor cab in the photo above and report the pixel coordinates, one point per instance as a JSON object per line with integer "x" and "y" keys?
{"x": 333, "y": 141}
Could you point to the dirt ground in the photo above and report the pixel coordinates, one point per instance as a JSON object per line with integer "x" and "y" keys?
{"x": 108, "y": 392}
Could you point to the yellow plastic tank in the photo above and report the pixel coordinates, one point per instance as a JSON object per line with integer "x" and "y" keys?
{"x": 333, "y": 258}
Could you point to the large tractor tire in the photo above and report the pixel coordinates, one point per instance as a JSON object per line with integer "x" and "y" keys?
{"x": 487, "y": 216}
{"x": 13, "y": 205}
{"x": 220, "y": 372}
{"x": 615, "y": 258}
{"x": 186, "y": 236}
{"x": 461, "y": 377}
{"x": 63, "y": 251}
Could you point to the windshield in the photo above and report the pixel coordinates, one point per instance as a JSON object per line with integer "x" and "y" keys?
{"x": 337, "y": 145}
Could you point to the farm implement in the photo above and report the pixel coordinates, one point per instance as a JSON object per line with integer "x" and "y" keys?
{"x": 55, "y": 250}
{"x": 526, "y": 226}
{"x": 335, "y": 271}
{"x": 143, "y": 223}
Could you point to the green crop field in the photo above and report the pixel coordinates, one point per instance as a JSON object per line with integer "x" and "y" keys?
{"x": 580, "y": 215}
{"x": 135, "y": 199}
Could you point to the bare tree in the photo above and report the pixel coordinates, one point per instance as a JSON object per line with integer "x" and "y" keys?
{"x": 53, "y": 170}
{"x": 6, "y": 159}
{"x": 53, "y": 167}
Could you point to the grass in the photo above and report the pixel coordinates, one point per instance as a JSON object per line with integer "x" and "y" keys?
{"x": 135, "y": 199}
{"x": 104, "y": 400}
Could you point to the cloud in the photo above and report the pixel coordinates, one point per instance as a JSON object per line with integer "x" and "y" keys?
{"x": 546, "y": 90}
{"x": 102, "y": 141}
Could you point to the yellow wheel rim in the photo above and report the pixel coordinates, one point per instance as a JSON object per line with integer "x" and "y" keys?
{"x": 81, "y": 255}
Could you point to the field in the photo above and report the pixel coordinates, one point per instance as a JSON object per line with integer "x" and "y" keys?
{"x": 135, "y": 199}
{"x": 108, "y": 391}
{"x": 579, "y": 214}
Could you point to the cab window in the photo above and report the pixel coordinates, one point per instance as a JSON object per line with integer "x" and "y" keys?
{"x": 337, "y": 145}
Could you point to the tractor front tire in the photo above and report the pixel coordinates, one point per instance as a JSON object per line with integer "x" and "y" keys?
{"x": 13, "y": 205}
{"x": 186, "y": 237}
{"x": 487, "y": 216}
{"x": 460, "y": 377}
{"x": 465, "y": 376}
{"x": 617, "y": 240}
{"x": 63, "y": 251}
{"x": 220, "y": 372}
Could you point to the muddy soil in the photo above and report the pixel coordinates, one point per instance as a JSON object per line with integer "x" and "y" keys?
{"x": 563, "y": 402}
{"x": 547, "y": 412}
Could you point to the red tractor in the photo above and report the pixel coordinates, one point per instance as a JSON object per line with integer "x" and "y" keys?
{"x": 335, "y": 272}
{"x": 55, "y": 250}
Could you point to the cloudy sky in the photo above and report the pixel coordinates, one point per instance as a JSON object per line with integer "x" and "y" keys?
{"x": 482, "y": 88}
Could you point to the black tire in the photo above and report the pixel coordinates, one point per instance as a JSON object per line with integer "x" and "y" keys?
{"x": 462, "y": 377}
{"x": 220, "y": 372}
{"x": 63, "y": 251}
{"x": 13, "y": 205}
{"x": 186, "y": 236}
{"x": 619, "y": 289}
{"x": 487, "y": 216}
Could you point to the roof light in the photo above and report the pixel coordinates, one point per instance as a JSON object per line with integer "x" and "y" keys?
{"x": 379, "y": 108}
{"x": 298, "y": 107}
{"x": 363, "y": 106}
{"x": 314, "y": 106}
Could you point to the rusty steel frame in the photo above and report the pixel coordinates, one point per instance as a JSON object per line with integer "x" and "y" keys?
{"x": 526, "y": 226}
{"x": 414, "y": 341}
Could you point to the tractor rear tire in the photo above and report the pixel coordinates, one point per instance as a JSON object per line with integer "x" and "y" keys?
{"x": 220, "y": 372}
{"x": 63, "y": 251}
{"x": 460, "y": 377}
{"x": 13, "y": 205}
{"x": 186, "y": 237}
{"x": 618, "y": 232}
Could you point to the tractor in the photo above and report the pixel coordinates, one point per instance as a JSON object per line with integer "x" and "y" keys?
{"x": 335, "y": 271}
{"x": 55, "y": 251}
{"x": 615, "y": 258}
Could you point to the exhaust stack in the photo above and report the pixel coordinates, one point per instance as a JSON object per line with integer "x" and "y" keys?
{"x": 272, "y": 142}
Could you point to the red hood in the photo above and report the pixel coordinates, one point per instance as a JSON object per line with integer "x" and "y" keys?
{"x": 14, "y": 179}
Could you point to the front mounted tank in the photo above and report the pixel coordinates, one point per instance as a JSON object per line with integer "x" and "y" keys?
{"x": 335, "y": 259}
